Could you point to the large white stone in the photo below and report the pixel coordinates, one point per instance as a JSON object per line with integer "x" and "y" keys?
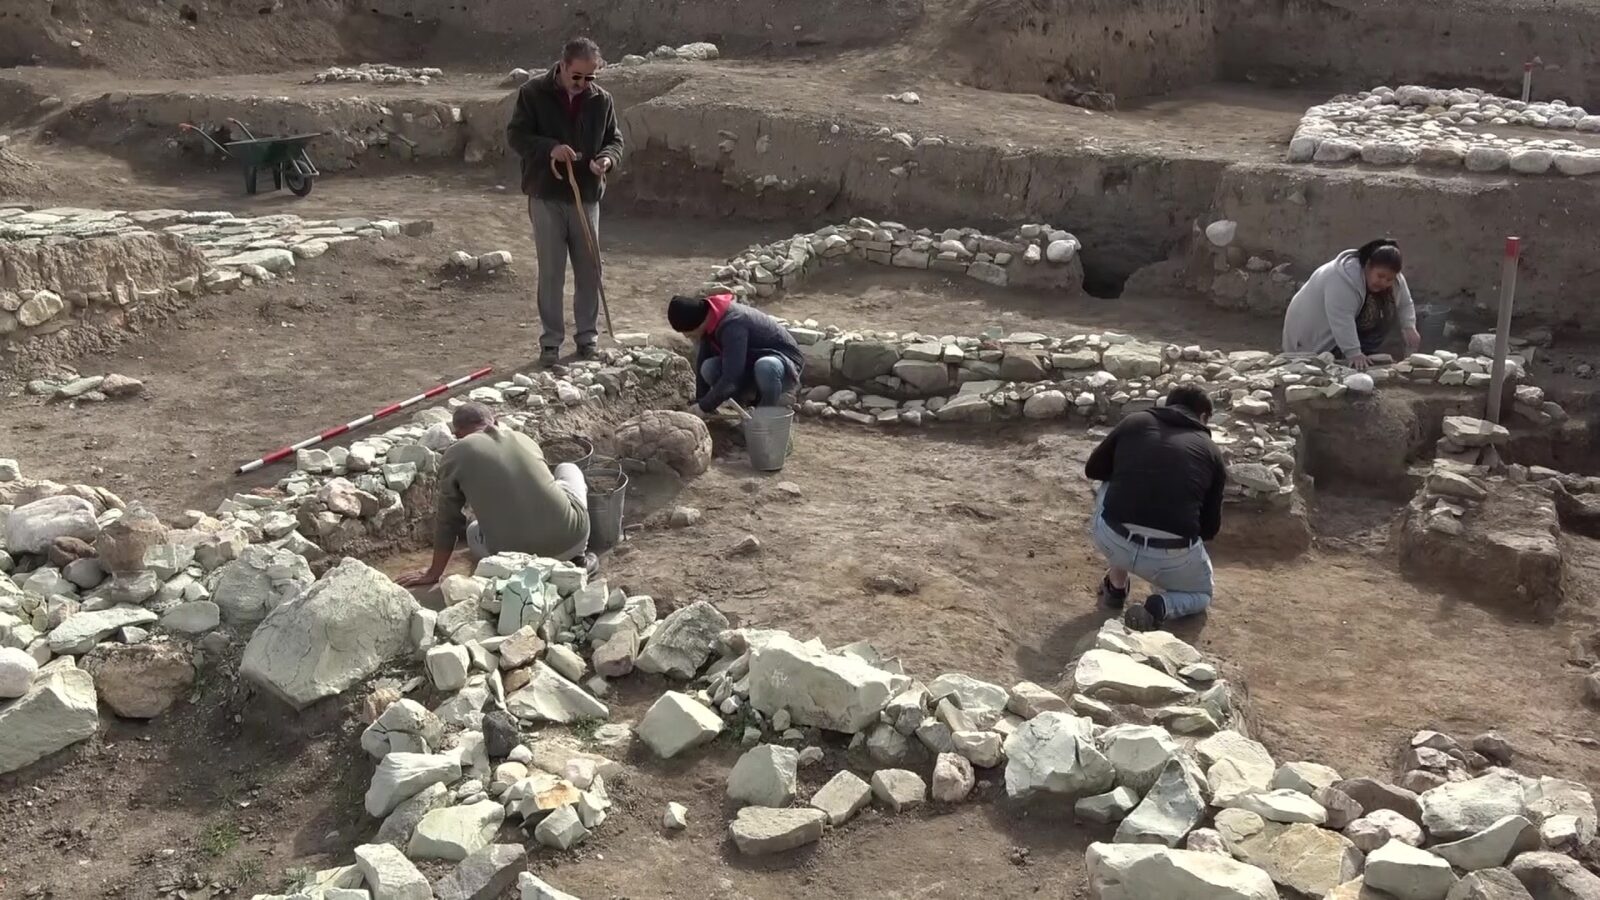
{"x": 1235, "y": 765}
{"x": 1139, "y": 753}
{"x": 1458, "y": 809}
{"x": 1221, "y": 232}
{"x": 456, "y": 832}
{"x": 1308, "y": 859}
{"x": 389, "y": 875}
{"x": 58, "y": 711}
{"x": 1492, "y": 846}
{"x": 969, "y": 693}
{"x": 17, "y": 669}
{"x": 274, "y": 260}
{"x": 677, "y": 722}
{"x": 1408, "y": 873}
{"x": 1305, "y": 777}
{"x": 1469, "y": 431}
{"x": 1145, "y": 872}
{"x": 547, "y": 697}
{"x": 32, "y": 527}
{"x": 1104, "y": 674}
{"x": 401, "y": 775}
{"x": 1133, "y": 360}
{"x": 1284, "y": 806}
{"x": 336, "y": 633}
{"x": 1055, "y": 752}
{"x": 683, "y": 641}
{"x": 81, "y": 632}
{"x": 532, "y": 887}
{"x": 834, "y": 691}
{"x": 1171, "y": 809}
{"x": 764, "y": 776}
{"x": 447, "y": 667}
{"x": 842, "y": 797}
{"x": 758, "y": 830}
{"x": 953, "y": 778}
{"x": 259, "y": 581}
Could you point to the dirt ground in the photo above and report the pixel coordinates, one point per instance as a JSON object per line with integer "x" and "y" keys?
{"x": 229, "y": 795}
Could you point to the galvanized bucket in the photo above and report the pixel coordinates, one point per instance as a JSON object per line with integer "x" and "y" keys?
{"x": 766, "y": 436}
{"x": 568, "y": 448}
{"x": 608, "y": 490}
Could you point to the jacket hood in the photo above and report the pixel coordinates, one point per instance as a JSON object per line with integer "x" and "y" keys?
{"x": 1178, "y": 416}
{"x": 1348, "y": 264}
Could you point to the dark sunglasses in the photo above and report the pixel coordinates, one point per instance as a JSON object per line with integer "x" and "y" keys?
{"x": 576, "y": 77}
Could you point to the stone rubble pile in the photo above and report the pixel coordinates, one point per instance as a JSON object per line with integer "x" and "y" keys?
{"x": 85, "y": 579}
{"x": 699, "y": 51}
{"x": 73, "y": 388}
{"x": 464, "y": 262}
{"x": 237, "y": 251}
{"x": 1446, "y": 129}
{"x": 377, "y": 73}
{"x": 1032, "y": 254}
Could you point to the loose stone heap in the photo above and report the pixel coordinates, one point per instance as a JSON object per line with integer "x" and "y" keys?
{"x": 1031, "y": 255}
{"x": 1441, "y": 128}
{"x": 462, "y": 261}
{"x": 699, "y": 51}
{"x": 42, "y": 294}
{"x": 377, "y": 73}
{"x": 69, "y": 387}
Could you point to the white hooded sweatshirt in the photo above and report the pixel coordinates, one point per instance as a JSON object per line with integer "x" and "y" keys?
{"x": 1322, "y": 315}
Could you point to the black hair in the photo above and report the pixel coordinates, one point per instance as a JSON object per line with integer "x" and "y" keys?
{"x": 1192, "y": 397}
{"x": 580, "y": 48}
{"x": 1383, "y": 253}
{"x": 687, "y": 313}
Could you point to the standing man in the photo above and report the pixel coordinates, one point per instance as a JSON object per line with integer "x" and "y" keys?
{"x": 521, "y": 506}
{"x": 562, "y": 116}
{"x": 1160, "y": 502}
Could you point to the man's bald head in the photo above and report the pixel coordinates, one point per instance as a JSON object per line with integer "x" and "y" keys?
{"x": 470, "y": 418}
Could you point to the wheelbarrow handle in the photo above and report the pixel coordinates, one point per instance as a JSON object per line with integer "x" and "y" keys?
{"x": 242, "y": 128}
{"x": 200, "y": 131}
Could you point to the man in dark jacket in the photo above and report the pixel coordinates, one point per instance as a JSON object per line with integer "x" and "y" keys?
{"x": 1160, "y": 501}
{"x": 563, "y": 117}
{"x": 739, "y": 348}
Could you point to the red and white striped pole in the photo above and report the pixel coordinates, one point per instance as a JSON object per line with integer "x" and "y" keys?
{"x": 337, "y": 430}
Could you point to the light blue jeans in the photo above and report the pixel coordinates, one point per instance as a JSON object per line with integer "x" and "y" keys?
{"x": 1181, "y": 576}
{"x": 770, "y": 374}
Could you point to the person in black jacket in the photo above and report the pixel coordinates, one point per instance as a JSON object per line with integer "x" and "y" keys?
{"x": 739, "y": 348}
{"x": 1160, "y": 501}
{"x": 562, "y": 116}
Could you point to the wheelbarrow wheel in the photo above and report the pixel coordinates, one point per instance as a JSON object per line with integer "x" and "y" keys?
{"x": 297, "y": 182}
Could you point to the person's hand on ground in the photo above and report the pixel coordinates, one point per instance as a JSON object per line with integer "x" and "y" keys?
{"x": 419, "y": 578}
{"x": 1359, "y": 362}
{"x": 564, "y": 154}
{"x": 1413, "y": 339}
{"x": 600, "y": 166}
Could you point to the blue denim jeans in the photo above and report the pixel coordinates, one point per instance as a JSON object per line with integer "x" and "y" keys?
{"x": 1183, "y": 576}
{"x": 770, "y": 373}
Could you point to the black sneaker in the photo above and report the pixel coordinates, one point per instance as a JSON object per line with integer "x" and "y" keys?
{"x": 1110, "y": 596}
{"x": 1147, "y": 616}
{"x": 588, "y": 351}
{"x": 589, "y": 562}
{"x": 548, "y": 356}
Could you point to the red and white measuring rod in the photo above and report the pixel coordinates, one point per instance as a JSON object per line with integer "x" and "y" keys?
{"x": 337, "y": 430}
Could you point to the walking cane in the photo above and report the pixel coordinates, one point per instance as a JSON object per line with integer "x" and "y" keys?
{"x": 592, "y": 240}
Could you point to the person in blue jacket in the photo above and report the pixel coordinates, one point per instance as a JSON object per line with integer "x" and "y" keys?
{"x": 740, "y": 348}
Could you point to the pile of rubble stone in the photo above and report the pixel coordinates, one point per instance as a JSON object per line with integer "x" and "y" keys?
{"x": 1145, "y": 739}
{"x": 465, "y": 263}
{"x": 76, "y": 389}
{"x": 377, "y": 73}
{"x": 699, "y": 51}
{"x": 1441, "y": 128}
{"x": 1031, "y": 254}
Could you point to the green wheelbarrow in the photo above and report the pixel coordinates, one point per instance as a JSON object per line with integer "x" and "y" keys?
{"x": 285, "y": 157}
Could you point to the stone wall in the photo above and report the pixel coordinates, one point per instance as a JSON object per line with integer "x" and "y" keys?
{"x": 65, "y": 268}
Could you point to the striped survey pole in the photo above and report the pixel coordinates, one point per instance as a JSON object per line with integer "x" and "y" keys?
{"x": 337, "y": 430}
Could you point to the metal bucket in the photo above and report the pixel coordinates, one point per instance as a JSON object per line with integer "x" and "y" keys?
{"x": 568, "y": 448}
{"x": 608, "y": 490}
{"x": 766, "y": 436}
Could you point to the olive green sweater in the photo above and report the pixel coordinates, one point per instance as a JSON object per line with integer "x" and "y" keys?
{"x": 502, "y": 475}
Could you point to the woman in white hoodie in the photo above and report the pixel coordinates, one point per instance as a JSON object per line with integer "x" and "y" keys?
{"x": 1350, "y": 305}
